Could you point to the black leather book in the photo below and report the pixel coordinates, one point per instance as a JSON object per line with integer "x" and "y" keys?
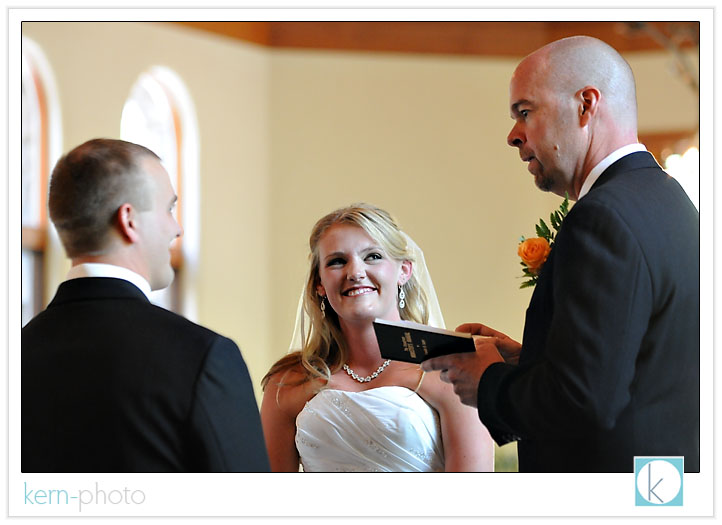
{"x": 414, "y": 342}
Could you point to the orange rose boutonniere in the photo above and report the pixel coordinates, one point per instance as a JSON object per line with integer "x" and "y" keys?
{"x": 534, "y": 251}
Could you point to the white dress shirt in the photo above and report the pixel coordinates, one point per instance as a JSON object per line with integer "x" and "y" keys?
{"x": 109, "y": 270}
{"x": 605, "y": 163}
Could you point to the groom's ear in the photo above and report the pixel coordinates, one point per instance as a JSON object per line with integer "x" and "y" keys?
{"x": 127, "y": 222}
{"x": 407, "y": 268}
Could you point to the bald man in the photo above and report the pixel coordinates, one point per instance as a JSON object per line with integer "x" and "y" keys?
{"x": 609, "y": 364}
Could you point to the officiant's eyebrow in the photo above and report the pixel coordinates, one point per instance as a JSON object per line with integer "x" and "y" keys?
{"x": 515, "y": 107}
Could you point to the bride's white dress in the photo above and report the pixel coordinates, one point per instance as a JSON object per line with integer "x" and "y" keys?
{"x": 384, "y": 429}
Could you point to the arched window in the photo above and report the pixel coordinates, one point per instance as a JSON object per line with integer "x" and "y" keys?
{"x": 41, "y": 144}
{"x": 159, "y": 115}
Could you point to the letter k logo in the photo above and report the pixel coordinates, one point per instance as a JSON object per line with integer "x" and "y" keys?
{"x": 651, "y": 488}
{"x": 659, "y": 480}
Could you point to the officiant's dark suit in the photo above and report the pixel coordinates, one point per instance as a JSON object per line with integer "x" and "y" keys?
{"x": 111, "y": 382}
{"x": 609, "y": 365}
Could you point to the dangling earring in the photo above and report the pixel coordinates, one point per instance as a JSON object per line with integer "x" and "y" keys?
{"x": 402, "y": 298}
{"x": 323, "y": 306}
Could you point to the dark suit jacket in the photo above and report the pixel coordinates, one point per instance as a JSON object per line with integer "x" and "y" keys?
{"x": 609, "y": 367}
{"x": 112, "y": 383}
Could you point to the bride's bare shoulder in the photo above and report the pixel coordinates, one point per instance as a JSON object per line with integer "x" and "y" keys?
{"x": 290, "y": 389}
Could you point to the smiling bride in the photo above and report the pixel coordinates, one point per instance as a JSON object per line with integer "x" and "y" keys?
{"x": 336, "y": 405}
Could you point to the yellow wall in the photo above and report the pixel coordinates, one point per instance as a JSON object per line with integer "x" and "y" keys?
{"x": 95, "y": 65}
{"x": 287, "y": 136}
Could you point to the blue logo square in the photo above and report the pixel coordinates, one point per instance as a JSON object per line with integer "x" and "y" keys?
{"x": 659, "y": 481}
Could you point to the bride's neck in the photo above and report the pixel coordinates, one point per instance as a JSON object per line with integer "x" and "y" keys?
{"x": 362, "y": 345}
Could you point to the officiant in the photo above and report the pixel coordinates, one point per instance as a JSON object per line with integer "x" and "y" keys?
{"x": 609, "y": 365}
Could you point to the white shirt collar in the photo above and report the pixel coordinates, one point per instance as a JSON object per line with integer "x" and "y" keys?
{"x": 109, "y": 270}
{"x": 605, "y": 163}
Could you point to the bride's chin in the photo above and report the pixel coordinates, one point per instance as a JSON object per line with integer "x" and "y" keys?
{"x": 357, "y": 318}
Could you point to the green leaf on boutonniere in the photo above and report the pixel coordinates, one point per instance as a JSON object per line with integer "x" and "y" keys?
{"x": 557, "y": 217}
{"x": 542, "y": 229}
{"x": 555, "y": 220}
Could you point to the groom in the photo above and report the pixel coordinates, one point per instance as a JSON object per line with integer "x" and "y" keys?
{"x": 609, "y": 366}
{"x": 110, "y": 382}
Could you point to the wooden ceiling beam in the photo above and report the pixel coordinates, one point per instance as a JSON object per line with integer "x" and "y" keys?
{"x": 461, "y": 38}
{"x": 256, "y": 32}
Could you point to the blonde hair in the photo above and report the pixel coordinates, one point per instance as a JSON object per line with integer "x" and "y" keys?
{"x": 325, "y": 349}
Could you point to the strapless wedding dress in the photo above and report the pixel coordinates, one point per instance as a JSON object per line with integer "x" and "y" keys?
{"x": 385, "y": 429}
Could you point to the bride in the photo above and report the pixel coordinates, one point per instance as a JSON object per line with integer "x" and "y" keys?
{"x": 336, "y": 404}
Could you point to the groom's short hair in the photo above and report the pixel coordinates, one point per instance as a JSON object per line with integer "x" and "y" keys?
{"x": 87, "y": 187}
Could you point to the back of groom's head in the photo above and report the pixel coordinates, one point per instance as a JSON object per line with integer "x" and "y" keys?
{"x": 87, "y": 187}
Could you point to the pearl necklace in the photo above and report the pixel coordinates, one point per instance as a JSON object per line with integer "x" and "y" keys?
{"x": 353, "y": 374}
